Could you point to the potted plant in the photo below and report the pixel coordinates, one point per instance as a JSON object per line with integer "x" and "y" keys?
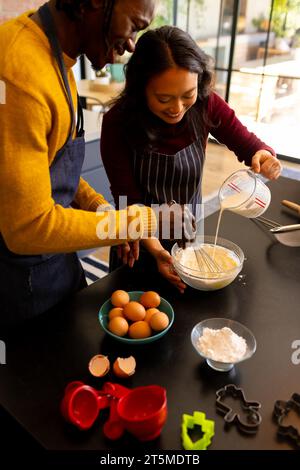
{"x": 261, "y": 23}
{"x": 103, "y": 76}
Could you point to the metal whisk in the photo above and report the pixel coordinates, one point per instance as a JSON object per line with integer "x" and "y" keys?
{"x": 267, "y": 222}
{"x": 288, "y": 235}
{"x": 205, "y": 261}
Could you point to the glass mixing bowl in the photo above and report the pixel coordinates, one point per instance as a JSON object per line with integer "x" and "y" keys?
{"x": 201, "y": 279}
{"x": 219, "y": 323}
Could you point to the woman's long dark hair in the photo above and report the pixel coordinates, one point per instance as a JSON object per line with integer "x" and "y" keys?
{"x": 157, "y": 51}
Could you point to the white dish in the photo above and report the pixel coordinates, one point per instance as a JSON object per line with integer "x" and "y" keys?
{"x": 212, "y": 280}
{"x": 216, "y": 324}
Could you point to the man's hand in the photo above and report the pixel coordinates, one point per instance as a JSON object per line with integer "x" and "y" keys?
{"x": 265, "y": 163}
{"x": 129, "y": 252}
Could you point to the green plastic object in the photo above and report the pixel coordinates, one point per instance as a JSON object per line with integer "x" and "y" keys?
{"x": 207, "y": 426}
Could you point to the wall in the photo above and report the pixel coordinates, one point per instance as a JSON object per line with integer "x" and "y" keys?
{"x": 204, "y": 20}
{"x": 12, "y": 8}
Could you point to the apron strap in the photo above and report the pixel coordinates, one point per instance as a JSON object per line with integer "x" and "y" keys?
{"x": 80, "y": 119}
{"x": 50, "y": 31}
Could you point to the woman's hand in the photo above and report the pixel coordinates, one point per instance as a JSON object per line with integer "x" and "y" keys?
{"x": 129, "y": 252}
{"x": 165, "y": 267}
{"x": 265, "y": 163}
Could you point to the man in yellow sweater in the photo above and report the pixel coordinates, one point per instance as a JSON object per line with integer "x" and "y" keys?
{"x": 47, "y": 212}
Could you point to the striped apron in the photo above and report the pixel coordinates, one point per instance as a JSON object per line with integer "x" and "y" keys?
{"x": 178, "y": 177}
{"x": 163, "y": 178}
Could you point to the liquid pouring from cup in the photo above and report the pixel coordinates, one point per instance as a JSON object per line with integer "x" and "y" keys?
{"x": 245, "y": 194}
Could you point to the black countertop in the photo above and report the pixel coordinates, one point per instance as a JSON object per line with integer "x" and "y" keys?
{"x": 44, "y": 356}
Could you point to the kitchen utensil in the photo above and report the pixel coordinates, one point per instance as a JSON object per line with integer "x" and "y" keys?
{"x": 250, "y": 420}
{"x": 269, "y": 223}
{"x": 245, "y": 194}
{"x": 207, "y": 279}
{"x": 281, "y": 412}
{"x": 288, "y": 235}
{"x": 291, "y": 205}
{"x": 81, "y": 404}
{"x": 205, "y": 261}
{"x": 143, "y": 411}
{"x": 207, "y": 428}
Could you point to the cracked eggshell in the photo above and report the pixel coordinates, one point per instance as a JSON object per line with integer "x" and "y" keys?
{"x": 99, "y": 365}
{"x": 124, "y": 367}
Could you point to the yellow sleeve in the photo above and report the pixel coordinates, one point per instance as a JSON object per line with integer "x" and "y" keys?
{"x": 87, "y": 198}
{"x": 30, "y": 220}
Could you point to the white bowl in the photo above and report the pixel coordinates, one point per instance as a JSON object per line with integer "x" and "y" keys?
{"x": 213, "y": 280}
{"x": 216, "y": 324}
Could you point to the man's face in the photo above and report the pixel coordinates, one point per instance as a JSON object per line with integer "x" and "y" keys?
{"x": 129, "y": 17}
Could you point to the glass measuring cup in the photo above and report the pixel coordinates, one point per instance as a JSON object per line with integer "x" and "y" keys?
{"x": 245, "y": 194}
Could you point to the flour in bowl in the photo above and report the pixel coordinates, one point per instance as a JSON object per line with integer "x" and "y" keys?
{"x": 226, "y": 260}
{"x": 222, "y": 345}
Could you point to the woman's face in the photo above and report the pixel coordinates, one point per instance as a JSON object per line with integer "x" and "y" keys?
{"x": 170, "y": 94}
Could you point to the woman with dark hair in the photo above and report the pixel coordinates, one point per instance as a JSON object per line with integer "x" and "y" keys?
{"x": 154, "y": 137}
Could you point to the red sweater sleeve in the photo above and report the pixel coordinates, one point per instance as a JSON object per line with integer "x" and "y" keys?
{"x": 117, "y": 157}
{"x": 228, "y": 130}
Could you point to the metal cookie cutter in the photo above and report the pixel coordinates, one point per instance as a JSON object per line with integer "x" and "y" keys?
{"x": 281, "y": 411}
{"x": 252, "y": 420}
{"x": 207, "y": 427}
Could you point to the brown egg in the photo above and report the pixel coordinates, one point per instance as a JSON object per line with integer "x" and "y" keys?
{"x": 119, "y": 298}
{"x": 159, "y": 321}
{"x": 139, "y": 329}
{"x": 149, "y": 313}
{"x": 118, "y": 326}
{"x": 115, "y": 312}
{"x": 150, "y": 299}
{"x": 124, "y": 367}
{"x": 134, "y": 311}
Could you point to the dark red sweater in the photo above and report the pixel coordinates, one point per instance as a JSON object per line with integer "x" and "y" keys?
{"x": 117, "y": 154}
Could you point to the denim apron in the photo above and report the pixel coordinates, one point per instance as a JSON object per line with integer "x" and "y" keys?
{"x": 163, "y": 178}
{"x": 30, "y": 285}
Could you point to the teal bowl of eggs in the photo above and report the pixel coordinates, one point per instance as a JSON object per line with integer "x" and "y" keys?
{"x": 136, "y": 317}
